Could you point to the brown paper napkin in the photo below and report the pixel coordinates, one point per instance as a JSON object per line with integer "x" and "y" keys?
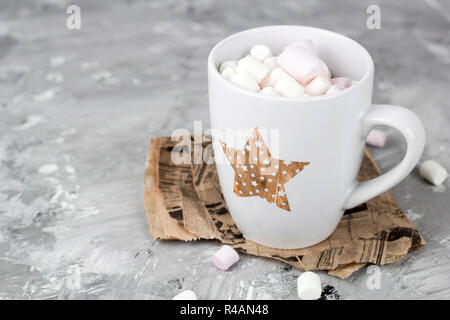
{"x": 185, "y": 202}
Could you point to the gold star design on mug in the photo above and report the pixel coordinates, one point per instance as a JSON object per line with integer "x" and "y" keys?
{"x": 257, "y": 173}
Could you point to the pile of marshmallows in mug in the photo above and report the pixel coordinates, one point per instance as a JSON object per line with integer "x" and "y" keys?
{"x": 297, "y": 72}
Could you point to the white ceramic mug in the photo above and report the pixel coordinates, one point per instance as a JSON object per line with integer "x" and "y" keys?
{"x": 327, "y": 131}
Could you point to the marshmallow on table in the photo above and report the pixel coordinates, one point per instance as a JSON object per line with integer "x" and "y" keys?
{"x": 288, "y": 87}
{"x": 302, "y": 65}
{"x": 245, "y": 81}
{"x": 225, "y": 257}
{"x": 186, "y": 295}
{"x": 254, "y": 67}
{"x": 341, "y": 82}
{"x": 376, "y": 138}
{"x": 227, "y": 73}
{"x": 228, "y": 64}
{"x": 309, "y": 286}
{"x": 433, "y": 172}
{"x": 260, "y": 52}
{"x": 318, "y": 86}
{"x": 273, "y": 77}
{"x": 271, "y": 63}
{"x": 269, "y": 91}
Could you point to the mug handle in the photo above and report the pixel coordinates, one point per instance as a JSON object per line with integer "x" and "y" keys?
{"x": 412, "y": 130}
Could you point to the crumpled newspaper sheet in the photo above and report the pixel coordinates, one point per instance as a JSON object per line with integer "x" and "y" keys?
{"x": 185, "y": 202}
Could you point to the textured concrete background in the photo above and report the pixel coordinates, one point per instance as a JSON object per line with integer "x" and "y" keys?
{"x": 78, "y": 109}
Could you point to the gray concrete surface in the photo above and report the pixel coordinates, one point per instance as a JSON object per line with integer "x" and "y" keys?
{"x": 78, "y": 109}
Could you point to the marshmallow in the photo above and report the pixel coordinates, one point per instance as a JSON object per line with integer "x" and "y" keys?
{"x": 309, "y": 286}
{"x": 227, "y": 73}
{"x": 271, "y": 63}
{"x": 260, "y": 52}
{"x": 288, "y": 87}
{"x": 269, "y": 91}
{"x": 273, "y": 77}
{"x": 341, "y": 82}
{"x": 254, "y": 67}
{"x": 333, "y": 89}
{"x": 376, "y": 138}
{"x": 306, "y": 44}
{"x": 318, "y": 86}
{"x": 301, "y": 64}
{"x": 228, "y": 64}
{"x": 225, "y": 257}
{"x": 185, "y": 295}
{"x": 297, "y": 71}
{"x": 245, "y": 81}
{"x": 433, "y": 172}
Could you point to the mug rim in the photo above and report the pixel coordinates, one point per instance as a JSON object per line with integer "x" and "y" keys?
{"x": 367, "y": 74}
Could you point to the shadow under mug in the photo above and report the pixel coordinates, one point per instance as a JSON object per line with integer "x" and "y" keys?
{"x": 328, "y": 132}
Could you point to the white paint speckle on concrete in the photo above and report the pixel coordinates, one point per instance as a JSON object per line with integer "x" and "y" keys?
{"x": 48, "y": 168}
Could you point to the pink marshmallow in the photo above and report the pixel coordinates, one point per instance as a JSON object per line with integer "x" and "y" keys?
{"x": 301, "y": 64}
{"x": 225, "y": 257}
{"x": 342, "y": 82}
{"x": 306, "y": 44}
{"x": 376, "y": 138}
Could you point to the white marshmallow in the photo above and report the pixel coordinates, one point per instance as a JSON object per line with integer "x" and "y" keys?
{"x": 245, "y": 81}
{"x": 309, "y": 286}
{"x": 260, "y": 52}
{"x": 271, "y": 62}
{"x": 186, "y": 295}
{"x": 254, "y": 67}
{"x": 227, "y": 73}
{"x": 228, "y": 64}
{"x": 288, "y": 87}
{"x": 273, "y": 77}
{"x": 433, "y": 172}
{"x": 269, "y": 91}
{"x": 318, "y": 86}
{"x": 333, "y": 89}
